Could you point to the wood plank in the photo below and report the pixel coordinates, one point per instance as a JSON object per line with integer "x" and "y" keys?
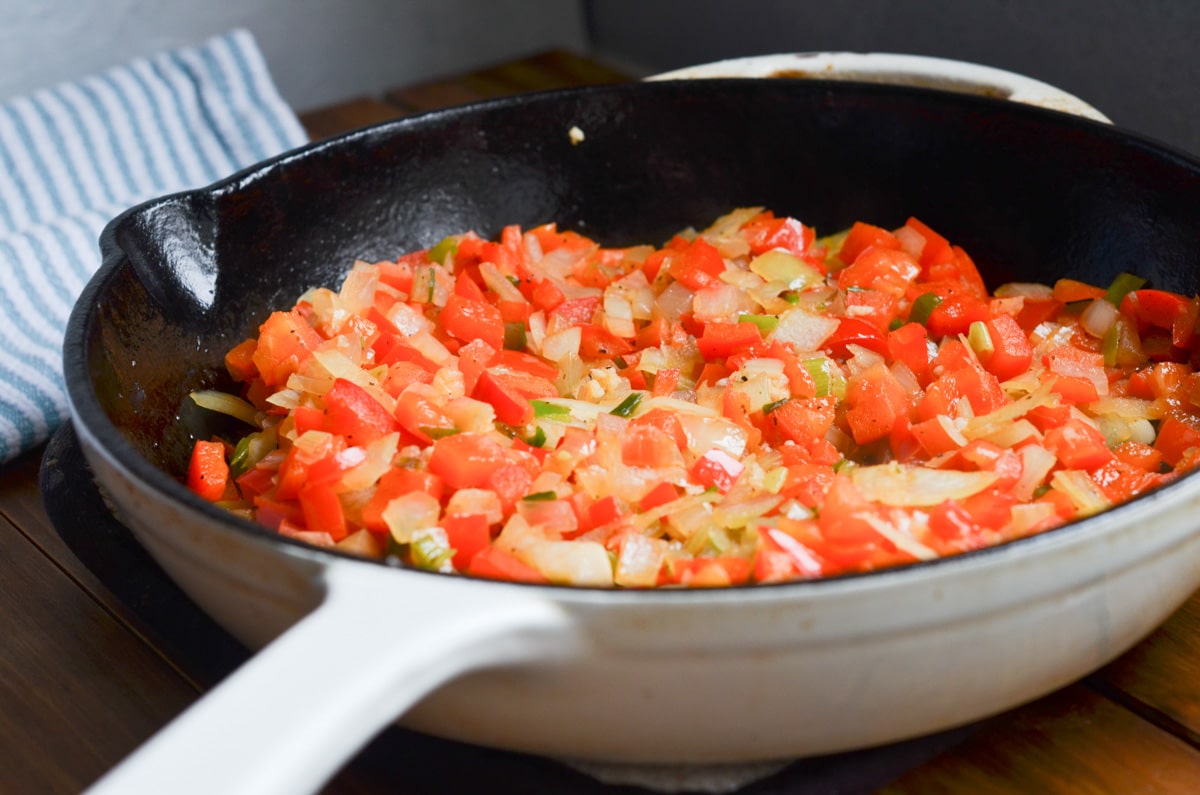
{"x": 327, "y": 122}
{"x": 546, "y": 70}
{"x": 78, "y": 690}
{"x": 1160, "y": 677}
{"x": 105, "y": 563}
{"x": 1074, "y": 742}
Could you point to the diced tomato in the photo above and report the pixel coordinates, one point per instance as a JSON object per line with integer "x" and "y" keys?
{"x": 717, "y": 468}
{"x": 936, "y": 250}
{"x": 494, "y": 563}
{"x": 863, "y": 236}
{"x": 665, "y": 381}
{"x": 466, "y": 319}
{"x": 1175, "y": 439}
{"x": 909, "y": 345}
{"x": 877, "y": 307}
{"x": 420, "y": 416}
{"x": 578, "y": 311}
{"x": 845, "y": 515}
{"x": 1142, "y": 456}
{"x": 648, "y": 446}
{"x": 546, "y": 295}
{"x": 468, "y": 534}
{"x": 1120, "y": 481}
{"x": 397, "y": 482}
{"x": 764, "y": 232}
{"x": 875, "y": 401}
{"x": 990, "y": 508}
{"x": 711, "y": 572}
{"x": 466, "y": 460}
{"x": 510, "y": 482}
{"x": 980, "y": 388}
{"x": 937, "y": 435}
{"x": 698, "y": 265}
{"x": 884, "y": 269}
{"x": 808, "y": 483}
{"x": 950, "y": 521}
{"x": 285, "y": 342}
{"x": 240, "y": 360}
{"x": 954, "y": 315}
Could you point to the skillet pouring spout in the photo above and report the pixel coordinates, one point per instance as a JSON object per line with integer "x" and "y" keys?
{"x": 786, "y": 670}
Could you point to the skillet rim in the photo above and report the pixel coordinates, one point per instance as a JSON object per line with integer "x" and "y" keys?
{"x": 91, "y": 421}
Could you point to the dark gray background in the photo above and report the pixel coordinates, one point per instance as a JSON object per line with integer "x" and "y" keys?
{"x": 1138, "y": 63}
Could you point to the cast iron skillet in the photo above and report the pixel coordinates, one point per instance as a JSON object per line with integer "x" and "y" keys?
{"x": 697, "y": 676}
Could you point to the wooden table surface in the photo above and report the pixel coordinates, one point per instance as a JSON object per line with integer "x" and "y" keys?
{"x": 85, "y": 676}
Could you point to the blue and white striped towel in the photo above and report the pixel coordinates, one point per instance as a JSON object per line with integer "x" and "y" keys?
{"x": 74, "y": 156}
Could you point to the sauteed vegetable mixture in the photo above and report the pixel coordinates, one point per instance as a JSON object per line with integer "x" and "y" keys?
{"x": 746, "y": 404}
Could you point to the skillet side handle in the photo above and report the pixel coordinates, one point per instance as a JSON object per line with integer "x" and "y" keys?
{"x": 289, "y": 718}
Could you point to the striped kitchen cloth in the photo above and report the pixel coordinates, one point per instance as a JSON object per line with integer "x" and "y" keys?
{"x": 74, "y": 156}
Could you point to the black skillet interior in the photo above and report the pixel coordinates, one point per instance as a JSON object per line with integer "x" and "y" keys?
{"x": 1032, "y": 195}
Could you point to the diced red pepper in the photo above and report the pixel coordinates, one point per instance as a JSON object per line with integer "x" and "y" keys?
{"x": 720, "y": 340}
{"x": 208, "y": 472}
{"x": 1011, "y": 352}
{"x": 1078, "y": 445}
{"x": 352, "y": 412}
{"x": 855, "y": 331}
{"x": 323, "y": 512}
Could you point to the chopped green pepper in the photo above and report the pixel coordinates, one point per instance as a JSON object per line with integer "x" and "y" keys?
{"x": 514, "y": 336}
{"x": 923, "y": 306}
{"x": 543, "y": 409}
{"x": 766, "y": 323}
{"x": 448, "y": 246}
{"x": 1123, "y": 285}
{"x": 627, "y": 406}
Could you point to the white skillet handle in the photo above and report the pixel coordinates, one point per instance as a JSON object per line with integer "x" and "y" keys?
{"x": 289, "y": 718}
